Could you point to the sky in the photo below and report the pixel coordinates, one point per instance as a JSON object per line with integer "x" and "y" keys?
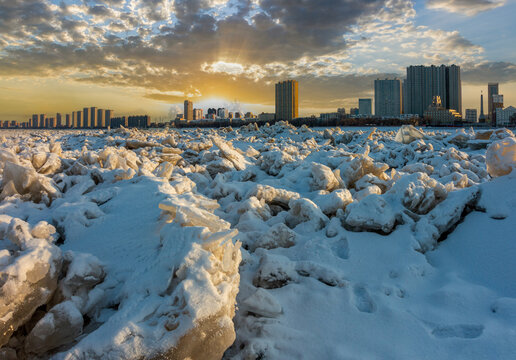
{"x": 148, "y": 56}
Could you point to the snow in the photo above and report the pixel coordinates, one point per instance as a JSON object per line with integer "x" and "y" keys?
{"x": 274, "y": 242}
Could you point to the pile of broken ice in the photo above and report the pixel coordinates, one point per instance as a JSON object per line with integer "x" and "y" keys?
{"x": 262, "y": 187}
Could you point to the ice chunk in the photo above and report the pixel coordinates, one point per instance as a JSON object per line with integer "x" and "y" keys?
{"x": 273, "y": 161}
{"x": 275, "y": 271}
{"x": 373, "y": 213}
{"x": 262, "y": 303}
{"x": 360, "y": 165}
{"x": 278, "y": 235}
{"x": 273, "y": 196}
{"x": 26, "y": 181}
{"x": 330, "y": 203}
{"x": 408, "y": 133}
{"x": 61, "y": 325}
{"x": 501, "y": 157}
{"x": 418, "y": 192}
{"x": 444, "y": 217}
{"x": 28, "y": 281}
{"x": 305, "y": 211}
{"x": 228, "y": 152}
{"x": 323, "y": 178}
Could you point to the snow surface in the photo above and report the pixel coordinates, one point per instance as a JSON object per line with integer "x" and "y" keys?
{"x": 356, "y": 244}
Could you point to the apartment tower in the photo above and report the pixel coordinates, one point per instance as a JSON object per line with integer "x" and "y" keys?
{"x": 425, "y": 82}
{"x": 387, "y": 98}
{"x": 287, "y": 101}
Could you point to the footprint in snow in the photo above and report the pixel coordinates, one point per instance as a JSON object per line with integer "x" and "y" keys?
{"x": 341, "y": 248}
{"x": 363, "y": 301}
{"x": 463, "y": 331}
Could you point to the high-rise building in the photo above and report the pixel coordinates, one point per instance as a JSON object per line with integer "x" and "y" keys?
{"x": 109, "y": 114}
{"x": 35, "y": 118}
{"x": 503, "y": 116}
{"x": 188, "y": 114}
{"x": 482, "y": 117}
{"x": 197, "y": 114}
{"x": 364, "y": 107}
{"x": 222, "y": 113}
{"x": 471, "y": 115}
{"x": 497, "y": 103}
{"x": 425, "y": 82}
{"x": 287, "y": 100}
{"x": 387, "y": 98}
{"x": 101, "y": 120}
{"x": 93, "y": 117}
{"x": 492, "y": 89}
{"x": 86, "y": 117}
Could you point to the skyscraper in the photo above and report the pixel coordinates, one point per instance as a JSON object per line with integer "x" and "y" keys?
{"x": 425, "y": 82}
{"x": 188, "y": 114}
{"x": 364, "y": 107}
{"x": 492, "y": 89}
{"x": 101, "y": 120}
{"x": 108, "y": 115}
{"x": 387, "y": 97}
{"x": 93, "y": 117}
{"x": 86, "y": 117}
{"x": 287, "y": 101}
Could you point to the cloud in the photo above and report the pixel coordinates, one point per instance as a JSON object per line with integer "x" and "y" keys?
{"x": 485, "y": 72}
{"x": 464, "y": 7}
{"x": 184, "y": 48}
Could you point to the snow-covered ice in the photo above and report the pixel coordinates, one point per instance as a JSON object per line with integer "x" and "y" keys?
{"x": 258, "y": 243}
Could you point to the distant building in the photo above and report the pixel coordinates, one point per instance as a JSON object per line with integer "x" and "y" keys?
{"x": 497, "y": 103}
{"x": 482, "y": 117}
{"x": 387, "y": 98}
{"x": 86, "y": 118}
{"x": 222, "y": 113}
{"x": 503, "y": 116}
{"x": 108, "y": 114}
{"x": 330, "y": 116}
{"x": 471, "y": 115}
{"x": 34, "y": 122}
{"x": 188, "y": 114}
{"x": 425, "y": 82}
{"x": 364, "y": 107}
{"x": 138, "y": 121}
{"x": 437, "y": 114}
{"x": 492, "y": 89}
{"x": 93, "y": 117}
{"x": 266, "y": 116}
{"x": 101, "y": 121}
{"x": 117, "y": 122}
{"x": 197, "y": 114}
{"x": 287, "y": 101}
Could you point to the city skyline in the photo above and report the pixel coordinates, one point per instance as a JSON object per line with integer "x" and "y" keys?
{"x": 60, "y": 55}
